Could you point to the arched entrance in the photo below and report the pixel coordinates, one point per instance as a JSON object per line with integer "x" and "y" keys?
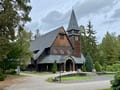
{"x": 69, "y": 65}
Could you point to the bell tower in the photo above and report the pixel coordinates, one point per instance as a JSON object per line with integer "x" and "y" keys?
{"x": 73, "y": 34}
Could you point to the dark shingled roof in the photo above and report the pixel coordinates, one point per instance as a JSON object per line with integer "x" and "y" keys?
{"x": 43, "y": 42}
{"x": 73, "y": 22}
{"x": 60, "y": 59}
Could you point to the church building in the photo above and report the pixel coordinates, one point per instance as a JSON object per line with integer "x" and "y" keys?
{"x": 60, "y": 45}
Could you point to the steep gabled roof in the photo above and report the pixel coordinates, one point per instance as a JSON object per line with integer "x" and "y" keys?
{"x": 73, "y": 22}
{"x": 43, "y": 42}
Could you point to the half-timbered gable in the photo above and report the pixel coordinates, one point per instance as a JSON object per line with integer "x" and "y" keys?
{"x": 62, "y": 44}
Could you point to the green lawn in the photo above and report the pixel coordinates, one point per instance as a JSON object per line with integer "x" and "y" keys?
{"x": 108, "y": 89}
{"x": 111, "y": 75}
{"x": 72, "y": 78}
{"x": 75, "y": 78}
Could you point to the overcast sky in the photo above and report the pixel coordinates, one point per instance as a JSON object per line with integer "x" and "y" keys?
{"x": 49, "y": 14}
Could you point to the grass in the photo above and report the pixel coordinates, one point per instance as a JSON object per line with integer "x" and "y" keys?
{"x": 75, "y": 78}
{"x": 108, "y": 89}
{"x": 71, "y": 78}
{"x": 110, "y": 75}
{"x": 49, "y": 79}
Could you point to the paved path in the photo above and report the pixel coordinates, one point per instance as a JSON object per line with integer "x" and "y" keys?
{"x": 34, "y": 82}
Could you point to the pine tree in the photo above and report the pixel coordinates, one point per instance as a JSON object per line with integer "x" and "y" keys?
{"x": 89, "y": 63}
{"x": 109, "y": 48}
{"x": 54, "y": 68}
{"x": 13, "y": 15}
{"x": 88, "y": 41}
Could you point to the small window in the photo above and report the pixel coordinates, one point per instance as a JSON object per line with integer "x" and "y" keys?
{"x": 61, "y": 36}
{"x": 76, "y": 38}
{"x": 61, "y": 51}
{"x": 68, "y": 52}
{"x": 55, "y": 51}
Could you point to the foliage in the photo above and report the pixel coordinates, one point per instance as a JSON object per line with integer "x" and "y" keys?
{"x": 112, "y": 68}
{"x": 54, "y": 68}
{"x": 116, "y": 82}
{"x": 23, "y": 43}
{"x": 10, "y": 71}
{"x": 83, "y": 68}
{"x": 110, "y": 49}
{"x": 13, "y": 15}
{"x": 19, "y": 53}
{"x": 89, "y": 63}
{"x": 88, "y": 41}
{"x": 98, "y": 67}
{"x": 2, "y": 77}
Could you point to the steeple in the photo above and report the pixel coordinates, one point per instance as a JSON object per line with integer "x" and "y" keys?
{"x": 73, "y": 25}
{"x": 74, "y": 35}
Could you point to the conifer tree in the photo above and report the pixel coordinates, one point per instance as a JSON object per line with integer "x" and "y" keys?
{"x": 89, "y": 63}
{"x": 83, "y": 68}
{"x": 54, "y": 68}
{"x": 88, "y": 41}
{"x": 13, "y": 15}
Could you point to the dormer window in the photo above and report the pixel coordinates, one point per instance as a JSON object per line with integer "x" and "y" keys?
{"x": 35, "y": 51}
{"x": 61, "y": 36}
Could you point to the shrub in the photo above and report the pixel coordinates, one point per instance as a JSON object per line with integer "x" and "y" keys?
{"x": 98, "y": 67}
{"x": 116, "y": 82}
{"x": 83, "y": 68}
{"x": 2, "y": 77}
{"x": 113, "y": 68}
{"x": 54, "y": 68}
{"x": 89, "y": 63}
{"x": 10, "y": 71}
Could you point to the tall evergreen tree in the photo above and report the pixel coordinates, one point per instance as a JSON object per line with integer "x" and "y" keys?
{"x": 88, "y": 41}
{"x": 109, "y": 48}
{"x": 13, "y": 15}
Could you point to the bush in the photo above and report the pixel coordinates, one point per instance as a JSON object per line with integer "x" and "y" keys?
{"x": 83, "y": 68}
{"x": 10, "y": 71}
{"x": 89, "y": 63}
{"x": 116, "y": 82}
{"x": 113, "y": 68}
{"x": 2, "y": 77}
{"x": 54, "y": 68}
{"x": 98, "y": 67}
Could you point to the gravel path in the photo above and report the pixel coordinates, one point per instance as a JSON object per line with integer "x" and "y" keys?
{"x": 34, "y": 82}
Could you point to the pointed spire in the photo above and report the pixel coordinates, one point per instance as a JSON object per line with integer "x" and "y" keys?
{"x": 73, "y": 22}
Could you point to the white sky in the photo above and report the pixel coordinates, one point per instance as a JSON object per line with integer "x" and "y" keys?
{"x": 49, "y": 14}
